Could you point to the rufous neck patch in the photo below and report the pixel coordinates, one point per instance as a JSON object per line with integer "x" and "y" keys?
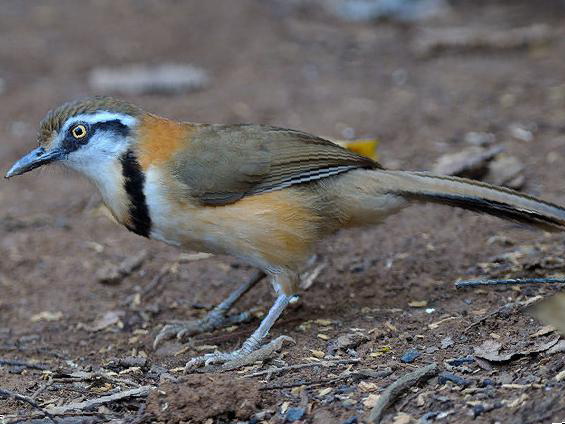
{"x": 160, "y": 138}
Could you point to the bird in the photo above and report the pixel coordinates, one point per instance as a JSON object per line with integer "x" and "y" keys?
{"x": 265, "y": 195}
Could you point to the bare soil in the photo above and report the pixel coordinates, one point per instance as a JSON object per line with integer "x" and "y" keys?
{"x": 301, "y": 68}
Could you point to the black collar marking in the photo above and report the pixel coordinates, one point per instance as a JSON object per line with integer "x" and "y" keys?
{"x": 134, "y": 181}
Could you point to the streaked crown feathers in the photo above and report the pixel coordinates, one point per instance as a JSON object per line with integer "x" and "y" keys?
{"x": 56, "y": 118}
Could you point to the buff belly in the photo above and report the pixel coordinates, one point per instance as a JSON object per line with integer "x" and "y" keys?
{"x": 273, "y": 231}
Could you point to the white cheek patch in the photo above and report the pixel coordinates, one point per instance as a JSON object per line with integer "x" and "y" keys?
{"x": 102, "y": 149}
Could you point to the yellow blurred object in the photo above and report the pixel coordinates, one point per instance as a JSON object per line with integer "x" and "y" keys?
{"x": 552, "y": 311}
{"x": 366, "y": 147}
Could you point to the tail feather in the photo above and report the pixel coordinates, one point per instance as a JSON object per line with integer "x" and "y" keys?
{"x": 475, "y": 196}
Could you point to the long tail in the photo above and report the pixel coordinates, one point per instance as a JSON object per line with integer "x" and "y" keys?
{"x": 471, "y": 195}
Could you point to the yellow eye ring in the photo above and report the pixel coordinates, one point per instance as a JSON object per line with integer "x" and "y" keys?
{"x": 79, "y": 131}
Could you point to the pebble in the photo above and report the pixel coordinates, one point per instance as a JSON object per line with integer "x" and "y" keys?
{"x": 346, "y": 341}
{"x": 478, "y": 410}
{"x": 471, "y": 162}
{"x": 351, "y": 420}
{"x": 344, "y": 389}
{"x": 348, "y": 403}
{"x": 447, "y": 342}
{"x": 410, "y": 356}
{"x": 399, "y": 10}
{"x": 432, "y": 349}
{"x": 479, "y": 138}
{"x": 457, "y": 362}
{"x": 487, "y": 382}
{"x": 428, "y": 417}
{"x": 445, "y": 376}
{"x": 139, "y": 79}
{"x": 294, "y": 414}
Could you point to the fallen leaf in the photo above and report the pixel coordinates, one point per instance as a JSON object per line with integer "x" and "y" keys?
{"x": 371, "y": 400}
{"x": 108, "y": 319}
{"x": 543, "y": 331}
{"x": 190, "y": 257}
{"x": 346, "y": 341}
{"x": 436, "y": 324}
{"x": 490, "y": 350}
{"x": 418, "y": 303}
{"x": 557, "y": 348}
{"x": 518, "y": 401}
{"x": 471, "y": 162}
{"x": 552, "y": 311}
{"x": 318, "y": 354}
{"x": 46, "y": 316}
{"x": 366, "y": 386}
{"x": 403, "y": 418}
{"x": 324, "y": 392}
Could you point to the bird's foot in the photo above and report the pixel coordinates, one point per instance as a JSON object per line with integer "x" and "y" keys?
{"x": 182, "y": 330}
{"x": 246, "y": 355}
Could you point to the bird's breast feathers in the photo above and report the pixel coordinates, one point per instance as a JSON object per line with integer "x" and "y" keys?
{"x": 270, "y": 229}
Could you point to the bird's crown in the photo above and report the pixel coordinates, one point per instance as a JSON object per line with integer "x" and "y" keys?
{"x": 56, "y": 118}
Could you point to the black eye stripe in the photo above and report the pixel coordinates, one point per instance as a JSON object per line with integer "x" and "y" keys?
{"x": 115, "y": 126}
{"x": 70, "y": 143}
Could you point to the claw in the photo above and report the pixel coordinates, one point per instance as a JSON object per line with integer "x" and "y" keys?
{"x": 238, "y": 358}
{"x": 182, "y": 330}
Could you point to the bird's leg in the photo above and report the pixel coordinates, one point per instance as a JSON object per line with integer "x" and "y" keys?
{"x": 216, "y": 318}
{"x": 251, "y": 350}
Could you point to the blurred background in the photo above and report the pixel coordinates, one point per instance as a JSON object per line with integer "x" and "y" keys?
{"x": 473, "y": 88}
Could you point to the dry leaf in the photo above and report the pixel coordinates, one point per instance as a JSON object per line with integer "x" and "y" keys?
{"x": 366, "y": 386}
{"x": 324, "y": 392}
{"x": 403, "y": 418}
{"x": 371, "y": 400}
{"x": 552, "y": 311}
{"x": 108, "y": 319}
{"x": 543, "y": 331}
{"x": 490, "y": 350}
{"x": 318, "y": 354}
{"x": 46, "y": 316}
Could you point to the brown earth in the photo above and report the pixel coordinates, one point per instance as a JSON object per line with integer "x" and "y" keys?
{"x": 299, "y": 68}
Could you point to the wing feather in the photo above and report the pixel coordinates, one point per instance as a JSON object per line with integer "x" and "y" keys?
{"x": 223, "y": 163}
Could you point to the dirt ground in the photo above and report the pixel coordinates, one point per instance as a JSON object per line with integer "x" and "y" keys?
{"x": 384, "y": 291}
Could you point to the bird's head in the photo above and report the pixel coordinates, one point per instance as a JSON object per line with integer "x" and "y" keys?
{"x": 86, "y": 135}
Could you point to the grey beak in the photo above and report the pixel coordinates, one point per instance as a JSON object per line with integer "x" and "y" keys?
{"x": 34, "y": 159}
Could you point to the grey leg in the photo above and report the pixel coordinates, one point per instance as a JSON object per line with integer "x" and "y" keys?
{"x": 250, "y": 351}
{"x": 215, "y": 319}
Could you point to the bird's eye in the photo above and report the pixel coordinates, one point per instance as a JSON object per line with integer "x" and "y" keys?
{"x": 79, "y": 131}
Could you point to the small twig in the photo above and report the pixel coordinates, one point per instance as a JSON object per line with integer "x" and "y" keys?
{"x": 16, "y": 419}
{"x": 326, "y": 364}
{"x": 114, "y": 274}
{"x": 392, "y": 392}
{"x": 302, "y": 383}
{"x": 91, "y": 403}
{"x": 16, "y": 363}
{"x": 508, "y": 282}
{"x": 79, "y": 376}
{"x": 157, "y": 280}
{"x": 508, "y": 307}
{"x": 42, "y": 388}
{"x": 28, "y": 400}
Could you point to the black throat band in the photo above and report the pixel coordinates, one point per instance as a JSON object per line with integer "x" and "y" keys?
{"x": 134, "y": 181}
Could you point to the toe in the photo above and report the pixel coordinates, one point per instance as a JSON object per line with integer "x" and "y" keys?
{"x": 264, "y": 352}
{"x": 168, "y": 332}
